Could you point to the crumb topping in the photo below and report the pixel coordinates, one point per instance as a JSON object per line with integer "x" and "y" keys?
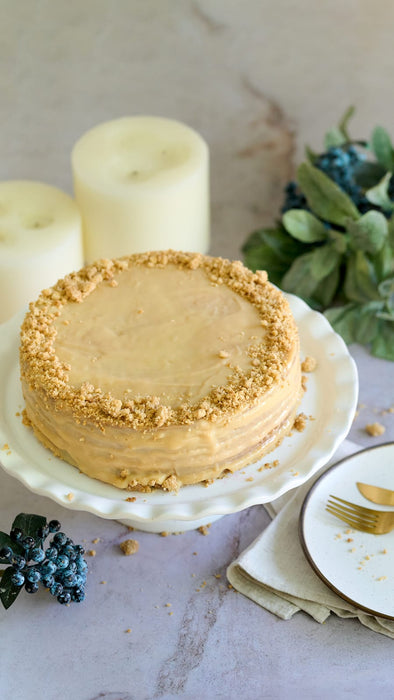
{"x": 300, "y": 422}
{"x": 309, "y": 364}
{"x": 45, "y": 373}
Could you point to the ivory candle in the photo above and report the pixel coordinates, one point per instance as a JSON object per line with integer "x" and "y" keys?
{"x": 142, "y": 183}
{"x": 40, "y": 241}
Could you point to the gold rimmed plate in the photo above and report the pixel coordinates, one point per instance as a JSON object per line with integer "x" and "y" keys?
{"x": 359, "y": 567}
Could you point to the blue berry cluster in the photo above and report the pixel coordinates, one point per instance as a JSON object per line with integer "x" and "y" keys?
{"x": 60, "y": 567}
{"x": 294, "y": 199}
{"x": 340, "y": 164}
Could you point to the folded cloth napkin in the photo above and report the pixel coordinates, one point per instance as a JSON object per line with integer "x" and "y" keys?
{"x": 275, "y": 573}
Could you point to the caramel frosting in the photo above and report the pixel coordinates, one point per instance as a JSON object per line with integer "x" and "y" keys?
{"x": 160, "y": 369}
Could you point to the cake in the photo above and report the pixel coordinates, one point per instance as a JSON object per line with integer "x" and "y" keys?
{"x": 160, "y": 369}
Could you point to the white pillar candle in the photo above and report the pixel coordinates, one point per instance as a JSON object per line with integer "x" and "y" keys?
{"x": 142, "y": 183}
{"x": 40, "y": 241}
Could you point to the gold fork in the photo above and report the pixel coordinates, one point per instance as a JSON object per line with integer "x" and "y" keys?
{"x": 376, "y": 522}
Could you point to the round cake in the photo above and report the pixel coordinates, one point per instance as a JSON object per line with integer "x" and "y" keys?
{"x": 160, "y": 369}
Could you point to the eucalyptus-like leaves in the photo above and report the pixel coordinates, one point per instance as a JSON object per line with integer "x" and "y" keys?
{"x": 334, "y": 255}
{"x": 324, "y": 197}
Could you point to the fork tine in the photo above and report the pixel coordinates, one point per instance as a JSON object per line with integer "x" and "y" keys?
{"x": 341, "y": 516}
{"x": 351, "y": 518}
{"x": 354, "y": 506}
{"x": 352, "y": 521}
{"x": 375, "y": 522}
{"x": 352, "y": 510}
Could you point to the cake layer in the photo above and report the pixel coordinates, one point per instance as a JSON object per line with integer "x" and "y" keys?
{"x": 161, "y": 369}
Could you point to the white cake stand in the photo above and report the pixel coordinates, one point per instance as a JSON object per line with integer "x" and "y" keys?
{"x": 329, "y": 402}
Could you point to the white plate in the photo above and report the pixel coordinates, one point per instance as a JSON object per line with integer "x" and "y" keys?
{"x": 330, "y": 399}
{"x": 356, "y": 565}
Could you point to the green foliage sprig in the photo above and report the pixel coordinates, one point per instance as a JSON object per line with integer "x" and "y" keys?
{"x": 334, "y": 243}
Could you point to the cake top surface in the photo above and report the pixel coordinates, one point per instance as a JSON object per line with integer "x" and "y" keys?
{"x": 158, "y": 338}
{"x": 165, "y": 332}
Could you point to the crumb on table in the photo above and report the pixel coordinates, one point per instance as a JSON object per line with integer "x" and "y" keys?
{"x": 204, "y": 529}
{"x": 129, "y": 547}
{"x": 375, "y": 429}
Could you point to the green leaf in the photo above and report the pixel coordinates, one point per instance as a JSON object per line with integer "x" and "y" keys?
{"x": 386, "y": 288}
{"x": 386, "y": 291}
{"x": 379, "y": 194}
{"x": 343, "y": 123}
{"x": 263, "y": 258}
{"x": 303, "y": 226}
{"x": 8, "y": 591}
{"x": 284, "y": 245}
{"x": 323, "y": 260}
{"x": 339, "y": 240}
{"x": 384, "y": 262}
{"x": 253, "y": 240}
{"x": 386, "y": 315}
{"x": 324, "y": 197}
{"x": 384, "y": 259}
{"x": 6, "y": 541}
{"x": 368, "y": 173}
{"x": 369, "y": 232}
{"x": 334, "y": 137}
{"x": 382, "y": 147}
{"x": 29, "y": 523}
{"x": 344, "y": 320}
{"x": 339, "y": 135}
{"x": 383, "y": 343}
{"x": 361, "y": 324}
{"x": 391, "y": 231}
{"x": 299, "y": 279}
{"x": 308, "y": 271}
{"x": 360, "y": 282}
{"x": 310, "y": 154}
{"x": 367, "y": 325}
{"x": 326, "y": 289}
{"x": 278, "y": 239}
{"x": 272, "y": 250}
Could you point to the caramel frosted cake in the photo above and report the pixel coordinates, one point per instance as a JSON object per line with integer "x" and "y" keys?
{"x": 160, "y": 369}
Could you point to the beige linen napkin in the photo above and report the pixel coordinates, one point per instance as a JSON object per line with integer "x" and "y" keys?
{"x": 274, "y": 572}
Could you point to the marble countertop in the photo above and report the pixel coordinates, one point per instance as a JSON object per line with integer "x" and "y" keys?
{"x": 258, "y": 80}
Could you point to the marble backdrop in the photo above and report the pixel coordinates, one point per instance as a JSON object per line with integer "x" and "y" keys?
{"x": 257, "y": 78}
